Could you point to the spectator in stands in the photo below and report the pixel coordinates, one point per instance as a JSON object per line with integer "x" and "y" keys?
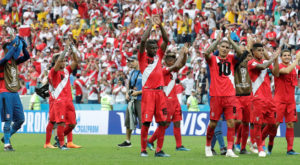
{"x": 33, "y": 78}
{"x": 188, "y": 84}
{"x": 119, "y": 92}
{"x": 93, "y": 92}
{"x": 202, "y": 84}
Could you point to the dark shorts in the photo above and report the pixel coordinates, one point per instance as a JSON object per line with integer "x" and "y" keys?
{"x": 11, "y": 107}
{"x": 137, "y": 112}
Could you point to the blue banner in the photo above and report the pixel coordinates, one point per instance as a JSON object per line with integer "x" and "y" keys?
{"x": 112, "y": 122}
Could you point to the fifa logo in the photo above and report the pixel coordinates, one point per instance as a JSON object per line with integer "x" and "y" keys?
{"x": 243, "y": 73}
{"x": 13, "y": 72}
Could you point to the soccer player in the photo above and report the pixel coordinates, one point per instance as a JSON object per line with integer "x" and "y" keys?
{"x": 222, "y": 92}
{"x": 243, "y": 90}
{"x": 153, "y": 97}
{"x": 59, "y": 83}
{"x": 173, "y": 106}
{"x": 285, "y": 96}
{"x": 264, "y": 109}
{"x": 10, "y": 103}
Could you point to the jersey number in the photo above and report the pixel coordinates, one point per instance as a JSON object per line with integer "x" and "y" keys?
{"x": 224, "y": 68}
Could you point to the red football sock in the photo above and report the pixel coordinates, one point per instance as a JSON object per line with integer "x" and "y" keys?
{"x": 257, "y": 135}
{"x": 230, "y": 137}
{"x": 272, "y": 134}
{"x": 265, "y": 132}
{"x": 60, "y": 134}
{"x": 209, "y": 135}
{"x": 49, "y": 132}
{"x": 289, "y": 135}
{"x": 67, "y": 130}
{"x": 238, "y": 131}
{"x": 252, "y": 137}
{"x": 144, "y": 135}
{"x": 153, "y": 137}
{"x": 70, "y": 137}
{"x": 177, "y": 135}
{"x": 160, "y": 137}
{"x": 245, "y": 134}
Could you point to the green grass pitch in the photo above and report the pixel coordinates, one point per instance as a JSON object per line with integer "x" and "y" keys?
{"x": 102, "y": 149}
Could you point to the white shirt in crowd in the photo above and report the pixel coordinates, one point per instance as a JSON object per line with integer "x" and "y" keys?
{"x": 119, "y": 94}
{"x": 188, "y": 85}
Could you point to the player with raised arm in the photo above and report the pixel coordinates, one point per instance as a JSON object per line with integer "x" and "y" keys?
{"x": 10, "y": 103}
{"x": 173, "y": 106}
{"x": 285, "y": 96}
{"x": 243, "y": 90}
{"x": 264, "y": 109}
{"x": 60, "y": 87}
{"x": 222, "y": 92}
{"x": 153, "y": 97}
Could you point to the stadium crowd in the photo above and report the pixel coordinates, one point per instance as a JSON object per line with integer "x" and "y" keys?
{"x": 107, "y": 32}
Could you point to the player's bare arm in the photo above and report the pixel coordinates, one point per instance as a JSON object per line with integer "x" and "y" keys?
{"x": 212, "y": 47}
{"x": 236, "y": 47}
{"x": 180, "y": 62}
{"x": 288, "y": 69}
{"x": 275, "y": 70}
{"x": 61, "y": 59}
{"x": 75, "y": 61}
{"x": 165, "y": 37}
{"x": 145, "y": 36}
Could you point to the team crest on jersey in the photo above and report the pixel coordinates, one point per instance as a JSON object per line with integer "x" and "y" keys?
{"x": 257, "y": 118}
{"x": 146, "y": 116}
{"x": 62, "y": 117}
{"x": 212, "y": 114}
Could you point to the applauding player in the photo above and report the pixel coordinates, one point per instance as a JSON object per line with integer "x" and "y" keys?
{"x": 222, "y": 92}
{"x": 173, "y": 106}
{"x": 60, "y": 88}
{"x": 264, "y": 109}
{"x": 153, "y": 98}
{"x": 285, "y": 96}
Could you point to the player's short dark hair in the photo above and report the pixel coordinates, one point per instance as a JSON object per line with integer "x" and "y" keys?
{"x": 257, "y": 45}
{"x": 283, "y": 51}
{"x": 54, "y": 60}
{"x": 150, "y": 42}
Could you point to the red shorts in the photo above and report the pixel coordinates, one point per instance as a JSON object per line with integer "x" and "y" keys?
{"x": 222, "y": 104}
{"x": 174, "y": 110}
{"x": 64, "y": 112}
{"x": 264, "y": 111}
{"x": 286, "y": 110}
{"x": 153, "y": 104}
{"x": 244, "y": 106}
{"x": 51, "y": 112}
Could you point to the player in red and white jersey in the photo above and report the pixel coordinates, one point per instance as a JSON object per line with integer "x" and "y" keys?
{"x": 153, "y": 97}
{"x": 173, "y": 105}
{"x": 285, "y": 96}
{"x": 222, "y": 92}
{"x": 264, "y": 109}
{"x": 59, "y": 84}
{"x": 79, "y": 87}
